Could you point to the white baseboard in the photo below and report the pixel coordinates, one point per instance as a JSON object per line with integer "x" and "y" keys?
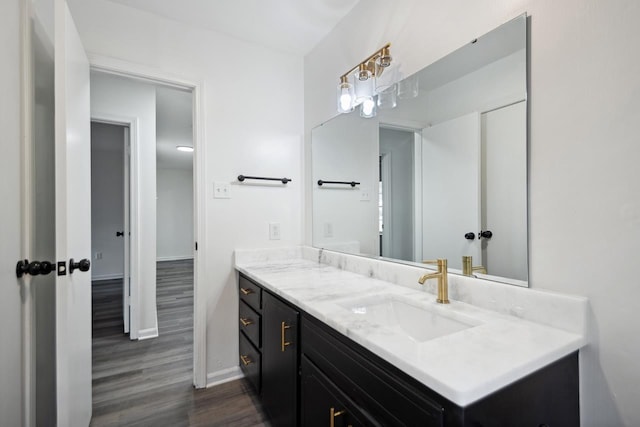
{"x": 107, "y": 277}
{"x": 174, "y": 258}
{"x": 224, "y": 376}
{"x": 145, "y": 334}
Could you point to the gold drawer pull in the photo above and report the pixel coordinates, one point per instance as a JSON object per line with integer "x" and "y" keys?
{"x": 246, "y": 291}
{"x": 283, "y": 343}
{"x": 245, "y": 360}
{"x": 245, "y": 321}
{"x": 333, "y": 414}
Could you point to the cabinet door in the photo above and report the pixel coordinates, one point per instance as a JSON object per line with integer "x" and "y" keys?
{"x": 279, "y": 361}
{"x": 323, "y": 404}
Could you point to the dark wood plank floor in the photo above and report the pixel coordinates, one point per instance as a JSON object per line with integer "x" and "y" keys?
{"x": 149, "y": 383}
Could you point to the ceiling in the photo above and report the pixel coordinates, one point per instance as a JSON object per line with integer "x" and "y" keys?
{"x": 293, "y": 26}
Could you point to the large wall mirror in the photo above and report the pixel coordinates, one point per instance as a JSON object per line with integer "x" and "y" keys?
{"x": 443, "y": 174}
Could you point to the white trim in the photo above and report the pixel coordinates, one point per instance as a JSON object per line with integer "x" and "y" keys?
{"x": 224, "y": 376}
{"x": 145, "y": 334}
{"x": 174, "y": 258}
{"x": 111, "y": 276}
{"x": 130, "y": 69}
{"x": 28, "y": 331}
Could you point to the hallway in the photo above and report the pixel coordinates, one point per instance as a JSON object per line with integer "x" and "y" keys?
{"x": 139, "y": 383}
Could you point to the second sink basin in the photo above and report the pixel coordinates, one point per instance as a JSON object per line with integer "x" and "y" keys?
{"x": 419, "y": 323}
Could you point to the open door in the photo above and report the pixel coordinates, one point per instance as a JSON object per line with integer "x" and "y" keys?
{"x": 73, "y": 223}
{"x": 451, "y": 190}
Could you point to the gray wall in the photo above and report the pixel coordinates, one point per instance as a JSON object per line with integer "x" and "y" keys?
{"x": 107, "y": 200}
{"x": 175, "y": 214}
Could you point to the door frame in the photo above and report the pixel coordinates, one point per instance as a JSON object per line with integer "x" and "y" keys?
{"x": 132, "y": 218}
{"x": 132, "y": 70}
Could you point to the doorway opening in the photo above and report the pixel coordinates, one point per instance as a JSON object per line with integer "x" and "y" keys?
{"x": 143, "y": 257}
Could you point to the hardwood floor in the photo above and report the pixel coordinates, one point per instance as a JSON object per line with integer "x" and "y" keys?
{"x": 149, "y": 383}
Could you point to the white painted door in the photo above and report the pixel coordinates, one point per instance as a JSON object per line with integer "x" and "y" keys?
{"x": 73, "y": 222}
{"x": 504, "y": 191}
{"x": 451, "y": 189}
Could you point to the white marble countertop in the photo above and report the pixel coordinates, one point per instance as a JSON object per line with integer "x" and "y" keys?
{"x": 464, "y": 366}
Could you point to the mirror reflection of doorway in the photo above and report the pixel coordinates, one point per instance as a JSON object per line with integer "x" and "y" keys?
{"x": 396, "y": 193}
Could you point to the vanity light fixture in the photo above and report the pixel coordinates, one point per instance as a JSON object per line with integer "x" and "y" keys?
{"x": 364, "y": 76}
{"x": 184, "y": 148}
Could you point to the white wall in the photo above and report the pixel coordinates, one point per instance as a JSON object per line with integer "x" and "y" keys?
{"x": 584, "y": 180}
{"x": 122, "y": 97}
{"x": 346, "y": 149}
{"x": 107, "y": 200}
{"x": 252, "y": 121}
{"x": 175, "y": 214}
{"x": 10, "y": 215}
{"x": 400, "y": 146}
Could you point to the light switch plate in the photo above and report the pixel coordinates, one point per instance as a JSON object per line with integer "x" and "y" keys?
{"x": 221, "y": 190}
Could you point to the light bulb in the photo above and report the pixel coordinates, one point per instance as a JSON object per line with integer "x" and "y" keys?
{"x": 345, "y": 99}
{"x": 345, "y": 95}
{"x": 368, "y": 108}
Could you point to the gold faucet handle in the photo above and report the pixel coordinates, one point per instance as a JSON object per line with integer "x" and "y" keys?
{"x": 440, "y": 262}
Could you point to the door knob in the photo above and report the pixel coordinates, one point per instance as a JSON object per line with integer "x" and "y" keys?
{"x": 470, "y": 236}
{"x": 119, "y": 233}
{"x": 485, "y": 234}
{"x": 82, "y": 265}
{"x": 33, "y": 268}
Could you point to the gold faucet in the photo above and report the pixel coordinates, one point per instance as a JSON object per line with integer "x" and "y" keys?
{"x": 441, "y": 275}
{"x": 467, "y": 266}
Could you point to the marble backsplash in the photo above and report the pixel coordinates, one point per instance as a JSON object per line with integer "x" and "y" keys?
{"x": 566, "y": 312}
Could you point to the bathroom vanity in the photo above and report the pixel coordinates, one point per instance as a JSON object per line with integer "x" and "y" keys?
{"x": 322, "y": 345}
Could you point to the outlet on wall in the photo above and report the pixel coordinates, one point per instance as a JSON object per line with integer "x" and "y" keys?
{"x": 274, "y": 231}
{"x": 98, "y": 255}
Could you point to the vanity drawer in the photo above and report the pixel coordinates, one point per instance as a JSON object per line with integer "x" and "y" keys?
{"x": 250, "y": 362}
{"x": 383, "y": 391}
{"x": 250, "y": 324}
{"x": 250, "y": 293}
{"x": 322, "y": 401}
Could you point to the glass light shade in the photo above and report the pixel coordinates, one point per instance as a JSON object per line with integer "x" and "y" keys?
{"x": 387, "y": 98}
{"x": 368, "y": 108}
{"x": 363, "y": 90}
{"x": 345, "y": 97}
{"x": 408, "y": 88}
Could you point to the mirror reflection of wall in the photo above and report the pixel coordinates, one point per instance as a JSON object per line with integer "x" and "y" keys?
{"x": 439, "y": 168}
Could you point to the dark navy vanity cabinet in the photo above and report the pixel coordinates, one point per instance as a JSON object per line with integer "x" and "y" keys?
{"x": 309, "y": 374}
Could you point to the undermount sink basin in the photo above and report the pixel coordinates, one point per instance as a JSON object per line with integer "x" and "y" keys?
{"x": 417, "y": 322}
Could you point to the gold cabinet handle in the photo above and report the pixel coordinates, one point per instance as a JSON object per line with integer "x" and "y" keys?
{"x": 333, "y": 414}
{"x": 246, "y": 291}
{"x": 245, "y": 321}
{"x": 245, "y": 360}
{"x": 283, "y": 327}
